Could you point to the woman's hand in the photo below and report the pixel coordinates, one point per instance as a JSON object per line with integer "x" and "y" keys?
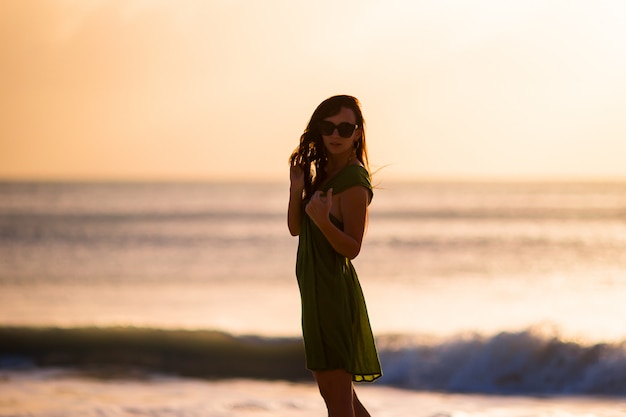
{"x": 296, "y": 177}
{"x": 318, "y": 208}
{"x": 347, "y": 240}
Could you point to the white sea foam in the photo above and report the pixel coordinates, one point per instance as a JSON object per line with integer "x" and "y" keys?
{"x": 530, "y": 362}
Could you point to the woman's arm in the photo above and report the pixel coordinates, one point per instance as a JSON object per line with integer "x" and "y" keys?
{"x": 296, "y": 176}
{"x": 353, "y": 206}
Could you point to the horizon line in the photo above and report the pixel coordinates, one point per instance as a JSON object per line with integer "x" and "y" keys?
{"x": 452, "y": 178}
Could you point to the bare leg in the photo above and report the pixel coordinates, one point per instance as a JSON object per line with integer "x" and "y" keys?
{"x": 359, "y": 409}
{"x": 336, "y": 389}
{"x": 338, "y": 394}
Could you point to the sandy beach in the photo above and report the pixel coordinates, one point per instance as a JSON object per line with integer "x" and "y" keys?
{"x": 64, "y": 393}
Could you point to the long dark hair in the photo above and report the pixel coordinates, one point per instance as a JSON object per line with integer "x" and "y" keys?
{"x": 310, "y": 155}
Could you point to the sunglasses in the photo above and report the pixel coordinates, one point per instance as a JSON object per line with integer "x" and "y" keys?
{"x": 344, "y": 129}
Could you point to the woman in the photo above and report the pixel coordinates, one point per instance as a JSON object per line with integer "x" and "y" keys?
{"x": 329, "y": 194}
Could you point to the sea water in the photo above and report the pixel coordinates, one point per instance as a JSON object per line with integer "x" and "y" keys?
{"x": 488, "y": 288}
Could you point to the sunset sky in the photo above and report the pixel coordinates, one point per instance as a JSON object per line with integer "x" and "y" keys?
{"x": 221, "y": 89}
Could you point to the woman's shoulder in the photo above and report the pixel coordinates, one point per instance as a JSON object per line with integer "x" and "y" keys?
{"x": 357, "y": 168}
{"x": 354, "y": 174}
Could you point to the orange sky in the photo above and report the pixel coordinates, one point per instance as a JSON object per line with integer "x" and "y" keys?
{"x": 199, "y": 89}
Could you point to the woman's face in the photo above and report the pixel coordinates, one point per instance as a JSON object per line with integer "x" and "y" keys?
{"x": 334, "y": 142}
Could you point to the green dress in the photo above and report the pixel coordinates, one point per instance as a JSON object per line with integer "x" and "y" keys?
{"x": 335, "y": 324}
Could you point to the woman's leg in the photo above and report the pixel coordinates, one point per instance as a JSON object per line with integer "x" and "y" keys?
{"x": 359, "y": 410}
{"x": 338, "y": 394}
{"x": 336, "y": 389}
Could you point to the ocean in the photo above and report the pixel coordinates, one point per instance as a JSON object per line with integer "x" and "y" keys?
{"x": 486, "y": 299}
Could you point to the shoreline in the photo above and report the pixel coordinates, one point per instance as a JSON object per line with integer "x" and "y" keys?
{"x": 58, "y": 391}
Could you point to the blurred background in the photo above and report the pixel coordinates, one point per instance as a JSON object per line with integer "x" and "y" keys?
{"x": 144, "y": 178}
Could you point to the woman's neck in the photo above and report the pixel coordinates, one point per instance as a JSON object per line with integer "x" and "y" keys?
{"x": 337, "y": 162}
